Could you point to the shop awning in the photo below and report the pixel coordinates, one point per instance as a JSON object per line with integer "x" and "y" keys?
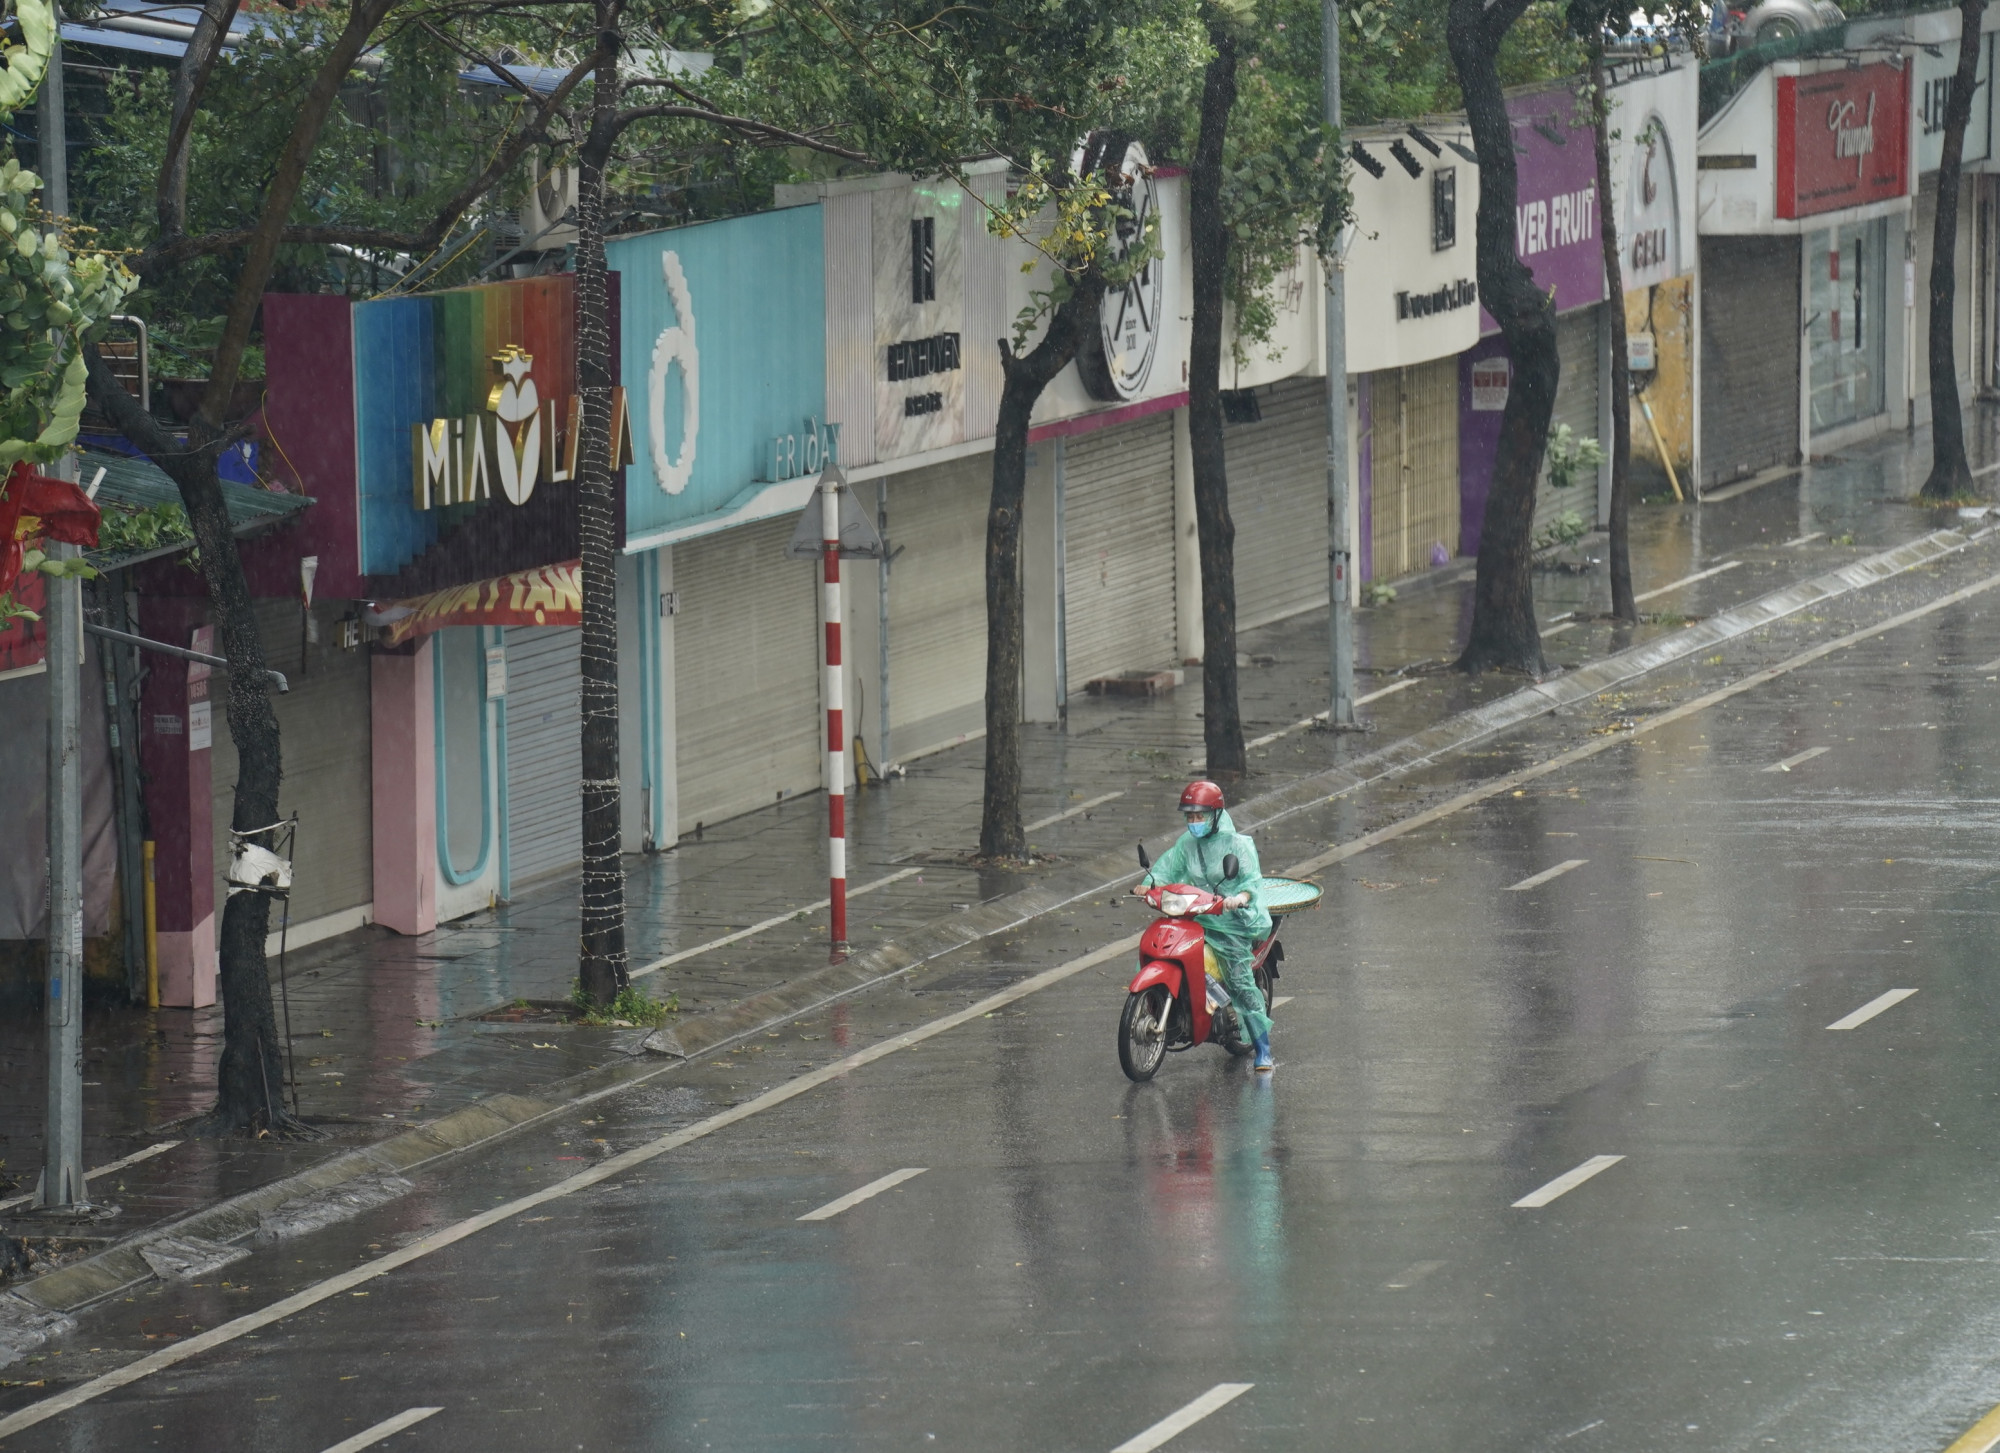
{"x": 139, "y": 484}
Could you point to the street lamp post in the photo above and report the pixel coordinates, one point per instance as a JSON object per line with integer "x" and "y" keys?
{"x": 1339, "y": 504}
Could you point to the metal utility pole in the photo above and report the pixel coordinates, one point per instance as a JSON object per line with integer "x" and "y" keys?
{"x": 62, "y": 1147}
{"x": 1339, "y": 505}
{"x": 830, "y": 485}
{"x": 62, "y": 646}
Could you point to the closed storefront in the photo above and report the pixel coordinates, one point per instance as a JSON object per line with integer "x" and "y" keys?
{"x": 1118, "y": 549}
{"x": 937, "y": 603}
{"x": 1577, "y": 398}
{"x": 323, "y": 725}
{"x": 1411, "y": 499}
{"x": 544, "y": 819}
{"x": 1750, "y": 355}
{"x": 1277, "y": 498}
{"x": 746, "y": 673}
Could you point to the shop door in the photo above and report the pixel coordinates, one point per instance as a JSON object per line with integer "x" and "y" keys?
{"x": 324, "y": 726}
{"x": 1413, "y": 468}
{"x": 937, "y": 603}
{"x": 1846, "y": 332}
{"x": 1577, "y": 398}
{"x": 1749, "y": 355}
{"x": 1277, "y": 497}
{"x": 747, "y": 709}
{"x": 544, "y": 751}
{"x": 1118, "y": 550}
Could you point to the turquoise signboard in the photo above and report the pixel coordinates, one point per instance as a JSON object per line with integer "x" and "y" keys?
{"x": 723, "y": 331}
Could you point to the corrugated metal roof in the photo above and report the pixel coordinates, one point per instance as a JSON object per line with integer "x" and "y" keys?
{"x": 140, "y": 484}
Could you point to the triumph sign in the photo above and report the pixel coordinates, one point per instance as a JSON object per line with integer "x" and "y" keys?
{"x": 1843, "y": 139}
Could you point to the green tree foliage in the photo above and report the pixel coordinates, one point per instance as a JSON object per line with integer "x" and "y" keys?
{"x": 1396, "y": 65}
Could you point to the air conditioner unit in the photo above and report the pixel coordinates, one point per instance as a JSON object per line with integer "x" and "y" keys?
{"x": 552, "y": 195}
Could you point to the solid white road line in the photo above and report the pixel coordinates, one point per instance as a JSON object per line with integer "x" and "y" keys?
{"x": 1873, "y": 1007}
{"x": 1989, "y": 666}
{"x": 1282, "y": 1000}
{"x": 1269, "y": 737}
{"x": 728, "y": 938}
{"x": 1051, "y": 820}
{"x": 1547, "y": 873}
{"x": 1390, "y": 690}
{"x": 1409, "y": 1276}
{"x": 1558, "y": 630}
{"x": 1791, "y": 762}
{"x": 1803, "y": 540}
{"x": 1174, "y": 1424}
{"x": 1688, "y": 580}
{"x": 629, "y": 1160}
{"x": 103, "y": 1170}
{"x": 370, "y": 1437}
{"x": 854, "y": 1198}
{"x": 1567, "y": 1182}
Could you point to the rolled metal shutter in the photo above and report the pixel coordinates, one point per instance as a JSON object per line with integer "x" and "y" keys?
{"x": 1277, "y": 497}
{"x": 1118, "y": 550}
{"x": 746, "y": 673}
{"x": 1749, "y": 355}
{"x": 1577, "y": 398}
{"x": 544, "y": 751}
{"x": 937, "y": 603}
{"x": 1413, "y": 497}
{"x": 324, "y": 731}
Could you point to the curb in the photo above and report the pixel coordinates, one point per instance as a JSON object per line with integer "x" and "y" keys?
{"x": 37, "y": 1310}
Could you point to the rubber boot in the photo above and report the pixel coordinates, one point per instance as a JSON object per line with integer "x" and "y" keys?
{"x": 1262, "y": 1044}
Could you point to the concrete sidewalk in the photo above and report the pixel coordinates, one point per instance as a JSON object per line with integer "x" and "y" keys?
{"x": 386, "y": 1031}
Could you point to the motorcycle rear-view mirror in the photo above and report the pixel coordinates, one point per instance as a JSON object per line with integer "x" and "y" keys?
{"x": 1144, "y": 860}
{"x": 1229, "y": 865}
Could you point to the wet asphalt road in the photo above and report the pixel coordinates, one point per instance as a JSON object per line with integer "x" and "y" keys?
{"x": 1799, "y": 1249}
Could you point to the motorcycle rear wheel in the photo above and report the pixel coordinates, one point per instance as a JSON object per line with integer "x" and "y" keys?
{"x": 1141, "y": 1045}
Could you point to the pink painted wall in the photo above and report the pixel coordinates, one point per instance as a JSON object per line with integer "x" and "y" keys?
{"x": 402, "y": 721}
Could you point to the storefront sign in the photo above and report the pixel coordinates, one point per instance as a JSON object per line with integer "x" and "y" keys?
{"x": 1651, "y": 226}
{"x": 1842, "y": 140}
{"x": 1116, "y": 363}
{"x": 1556, "y": 210}
{"x": 725, "y": 323}
{"x": 1933, "y": 81}
{"x": 1460, "y": 294}
{"x": 549, "y": 596}
{"x": 465, "y": 401}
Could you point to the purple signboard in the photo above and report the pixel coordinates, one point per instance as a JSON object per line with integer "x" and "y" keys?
{"x": 1556, "y": 213}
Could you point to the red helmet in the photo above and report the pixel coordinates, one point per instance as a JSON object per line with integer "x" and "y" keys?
{"x": 1203, "y": 794}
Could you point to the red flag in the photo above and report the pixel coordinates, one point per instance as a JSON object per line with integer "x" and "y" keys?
{"x": 38, "y": 507}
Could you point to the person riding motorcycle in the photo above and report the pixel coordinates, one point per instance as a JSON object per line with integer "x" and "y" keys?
{"x": 1197, "y": 859}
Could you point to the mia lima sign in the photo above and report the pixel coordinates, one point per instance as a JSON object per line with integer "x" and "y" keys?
{"x": 518, "y": 440}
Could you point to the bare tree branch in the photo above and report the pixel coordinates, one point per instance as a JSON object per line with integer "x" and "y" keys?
{"x": 190, "y": 80}
{"x": 744, "y": 124}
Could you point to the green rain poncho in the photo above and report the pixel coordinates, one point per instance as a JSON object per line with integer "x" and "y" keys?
{"x": 1234, "y": 934}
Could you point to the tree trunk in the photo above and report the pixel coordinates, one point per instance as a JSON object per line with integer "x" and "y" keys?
{"x": 1222, "y": 717}
{"x": 190, "y": 81}
{"x": 1623, "y": 606}
{"x": 1024, "y": 378}
{"x": 1951, "y": 474}
{"x": 1504, "y": 634}
{"x": 251, "y": 1080}
{"x": 601, "y": 961}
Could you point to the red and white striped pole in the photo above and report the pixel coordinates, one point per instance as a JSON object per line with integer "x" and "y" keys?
{"x": 836, "y": 733}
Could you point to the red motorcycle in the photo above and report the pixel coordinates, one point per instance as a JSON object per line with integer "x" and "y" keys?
{"x": 1176, "y": 1000}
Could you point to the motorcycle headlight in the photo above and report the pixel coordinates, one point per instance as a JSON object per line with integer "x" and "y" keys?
{"x": 1174, "y": 905}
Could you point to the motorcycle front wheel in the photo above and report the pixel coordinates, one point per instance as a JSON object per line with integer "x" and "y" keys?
{"x": 1142, "y": 1044}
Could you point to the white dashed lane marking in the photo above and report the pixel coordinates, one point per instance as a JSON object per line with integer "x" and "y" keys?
{"x": 1174, "y": 1424}
{"x": 1873, "y": 1007}
{"x": 1802, "y": 757}
{"x": 1547, "y": 873}
{"x": 855, "y": 1198}
{"x": 1568, "y": 1181}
